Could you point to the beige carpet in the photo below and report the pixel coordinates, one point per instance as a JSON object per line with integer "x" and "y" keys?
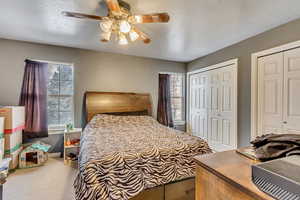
{"x": 53, "y": 181}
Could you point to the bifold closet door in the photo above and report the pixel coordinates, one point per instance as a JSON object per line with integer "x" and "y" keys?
{"x": 279, "y": 93}
{"x": 198, "y": 104}
{"x": 291, "y": 96}
{"x": 212, "y": 102}
{"x": 221, "y": 116}
{"x": 270, "y": 92}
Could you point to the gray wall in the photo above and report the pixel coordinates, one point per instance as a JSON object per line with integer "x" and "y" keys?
{"x": 284, "y": 34}
{"x": 95, "y": 71}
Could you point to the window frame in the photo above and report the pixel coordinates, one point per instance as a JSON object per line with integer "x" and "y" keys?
{"x": 60, "y": 127}
{"x": 183, "y": 106}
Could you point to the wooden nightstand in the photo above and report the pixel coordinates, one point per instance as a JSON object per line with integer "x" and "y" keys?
{"x": 72, "y": 146}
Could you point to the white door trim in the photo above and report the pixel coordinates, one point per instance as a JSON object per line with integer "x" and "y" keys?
{"x": 219, "y": 65}
{"x": 212, "y": 67}
{"x": 254, "y": 79}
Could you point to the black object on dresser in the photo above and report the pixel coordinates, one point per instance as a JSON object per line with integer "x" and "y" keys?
{"x": 279, "y": 178}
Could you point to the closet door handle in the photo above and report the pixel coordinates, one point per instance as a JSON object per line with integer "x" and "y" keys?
{"x": 285, "y": 122}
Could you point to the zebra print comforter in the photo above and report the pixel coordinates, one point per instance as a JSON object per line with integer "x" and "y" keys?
{"x": 120, "y": 156}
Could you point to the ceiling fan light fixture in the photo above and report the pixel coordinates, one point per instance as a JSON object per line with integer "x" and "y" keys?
{"x": 106, "y": 36}
{"x": 120, "y": 22}
{"x": 133, "y": 35}
{"x": 106, "y": 25}
{"x": 124, "y": 26}
{"x": 123, "y": 40}
{"x": 138, "y": 19}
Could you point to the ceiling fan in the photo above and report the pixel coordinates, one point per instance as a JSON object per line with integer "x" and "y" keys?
{"x": 121, "y": 22}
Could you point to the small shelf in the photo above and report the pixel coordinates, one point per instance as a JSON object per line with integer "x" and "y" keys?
{"x": 71, "y": 163}
{"x": 73, "y": 149}
{"x": 75, "y": 130}
{"x": 72, "y": 146}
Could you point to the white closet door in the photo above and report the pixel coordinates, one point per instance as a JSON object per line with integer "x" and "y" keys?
{"x": 221, "y": 116}
{"x": 198, "y": 104}
{"x": 270, "y": 92}
{"x": 228, "y": 99}
{"x": 213, "y": 105}
{"x": 291, "y": 97}
{"x": 214, "y": 117}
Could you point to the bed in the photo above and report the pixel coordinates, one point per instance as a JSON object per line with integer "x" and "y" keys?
{"x": 126, "y": 154}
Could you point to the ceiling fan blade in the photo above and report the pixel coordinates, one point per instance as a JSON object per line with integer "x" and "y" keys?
{"x": 150, "y": 18}
{"x": 113, "y": 6}
{"x": 82, "y": 16}
{"x": 143, "y": 36}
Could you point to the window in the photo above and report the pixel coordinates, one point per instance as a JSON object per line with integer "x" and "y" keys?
{"x": 60, "y": 95}
{"x": 177, "y": 97}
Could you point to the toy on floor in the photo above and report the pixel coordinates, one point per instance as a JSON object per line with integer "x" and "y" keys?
{"x": 34, "y": 155}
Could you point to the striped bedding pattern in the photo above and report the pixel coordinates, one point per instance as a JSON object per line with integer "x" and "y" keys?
{"x": 120, "y": 156}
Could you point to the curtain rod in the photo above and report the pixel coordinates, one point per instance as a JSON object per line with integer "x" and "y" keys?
{"x": 51, "y": 62}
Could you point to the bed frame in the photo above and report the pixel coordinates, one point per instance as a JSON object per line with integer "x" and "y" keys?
{"x": 135, "y": 104}
{"x": 116, "y": 102}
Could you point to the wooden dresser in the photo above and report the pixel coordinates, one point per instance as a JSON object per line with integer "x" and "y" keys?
{"x": 226, "y": 176}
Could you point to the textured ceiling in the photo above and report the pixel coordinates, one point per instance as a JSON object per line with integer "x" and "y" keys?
{"x": 196, "y": 28}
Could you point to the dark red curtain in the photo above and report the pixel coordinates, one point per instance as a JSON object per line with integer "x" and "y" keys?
{"x": 34, "y": 98}
{"x": 164, "y": 110}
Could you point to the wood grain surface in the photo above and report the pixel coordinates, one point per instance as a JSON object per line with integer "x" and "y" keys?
{"x": 116, "y": 102}
{"x": 226, "y": 176}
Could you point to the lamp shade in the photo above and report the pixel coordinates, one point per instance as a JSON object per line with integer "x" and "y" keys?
{"x": 125, "y": 26}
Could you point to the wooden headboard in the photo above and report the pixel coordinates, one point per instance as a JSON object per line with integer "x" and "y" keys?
{"x": 116, "y": 102}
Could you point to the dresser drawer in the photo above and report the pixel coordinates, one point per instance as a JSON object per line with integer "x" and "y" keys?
{"x": 209, "y": 186}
